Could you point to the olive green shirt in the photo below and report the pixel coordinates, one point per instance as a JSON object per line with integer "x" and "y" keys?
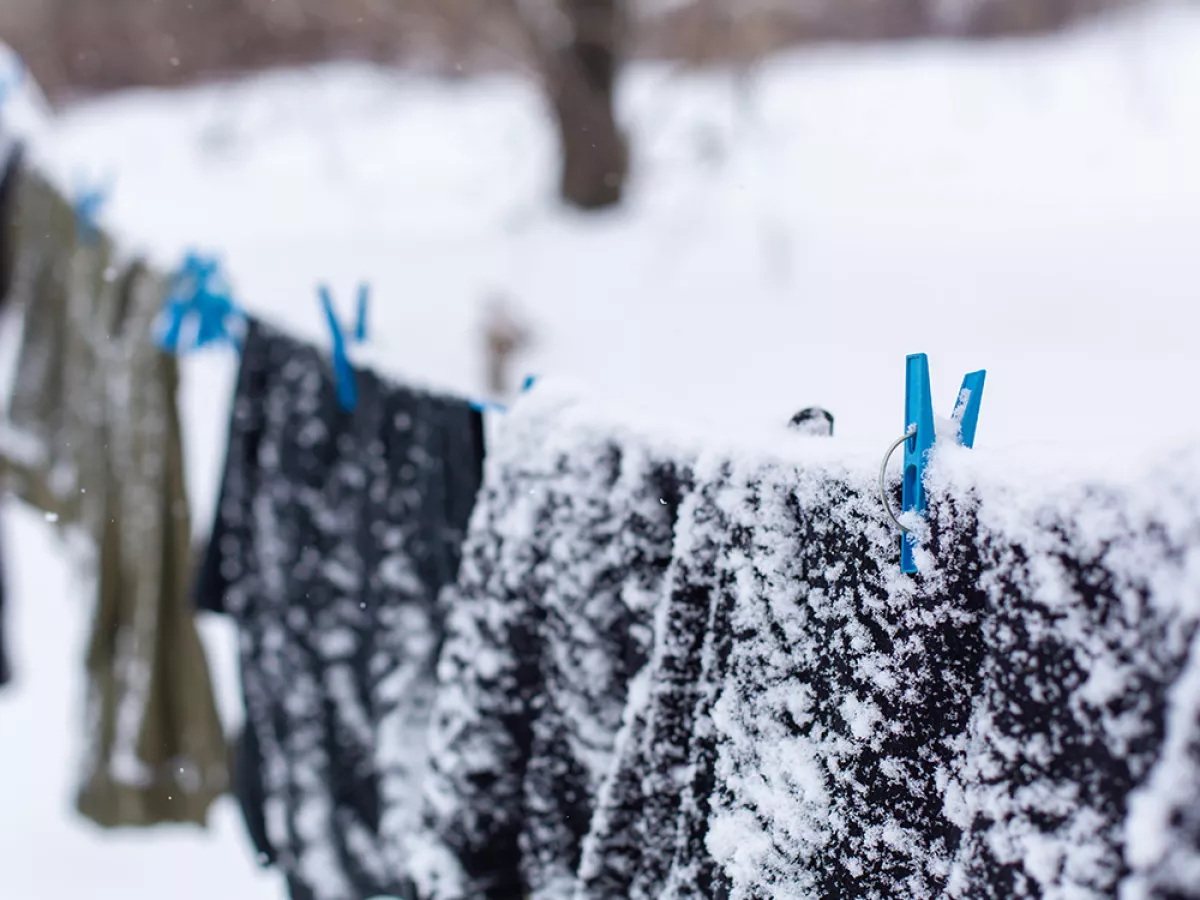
{"x": 93, "y": 439}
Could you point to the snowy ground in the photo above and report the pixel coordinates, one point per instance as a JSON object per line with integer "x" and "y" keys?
{"x": 1028, "y": 208}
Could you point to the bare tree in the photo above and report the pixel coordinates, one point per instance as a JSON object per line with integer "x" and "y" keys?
{"x": 576, "y": 46}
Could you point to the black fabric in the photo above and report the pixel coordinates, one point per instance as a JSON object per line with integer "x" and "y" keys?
{"x": 832, "y": 700}
{"x": 1080, "y": 774}
{"x": 653, "y": 805}
{"x": 9, "y": 192}
{"x": 251, "y": 794}
{"x": 8, "y": 256}
{"x": 550, "y": 620}
{"x": 334, "y": 534}
{"x": 1020, "y": 720}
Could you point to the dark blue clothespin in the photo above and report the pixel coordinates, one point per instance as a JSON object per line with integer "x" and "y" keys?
{"x": 343, "y": 372}
{"x": 199, "y": 293}
{"x": 919, "y": 427}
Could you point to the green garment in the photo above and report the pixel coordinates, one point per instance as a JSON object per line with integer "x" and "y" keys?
{"x": 94, "y": 439}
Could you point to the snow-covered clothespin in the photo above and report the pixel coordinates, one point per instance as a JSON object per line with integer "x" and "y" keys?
{"x": 920, "y": 435}
{"x": 200, "y": 294}
{"x": 343, "y": 372}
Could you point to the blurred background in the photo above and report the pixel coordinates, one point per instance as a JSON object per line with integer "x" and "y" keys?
{"x": 717, "y": 211}
{"x": 80, "y": 46}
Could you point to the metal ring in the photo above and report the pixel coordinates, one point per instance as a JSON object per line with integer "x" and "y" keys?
{"x": 887, "y": 506}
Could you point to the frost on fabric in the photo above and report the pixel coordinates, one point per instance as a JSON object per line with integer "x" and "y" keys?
{"x": 1162, "y": 831}
{"x": 1018, "y": 721}
{"x": 1082, "y": 713}
{"x": 842, "y": 700}
{"x": 653, "y": 806}
{"x": 548, "y": 624}
{"x": 334, "y": 536}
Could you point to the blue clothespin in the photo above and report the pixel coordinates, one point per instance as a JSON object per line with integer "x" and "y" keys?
{"x": 199, "y": 293}
{"x": 491, "y": 406}
{"x": 344, "y": 377}
{"x": 488, "y": 406}
{"x": 364, "y": 299}
{"x": 918, "y": 424}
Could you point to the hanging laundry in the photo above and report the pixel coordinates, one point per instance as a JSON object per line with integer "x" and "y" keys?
{"x": 335, "y": 534}
{"x": 549, "y": 622}
{"x": 647, "y": 835}
{"x": 8, "y": 200}
{"x": 93, "y": 407}
{"x": 855, "y": 682}
{"x": 1081, "y": 771}
{"x": 1023, "y": 720}
{"x": 10, "y": 183}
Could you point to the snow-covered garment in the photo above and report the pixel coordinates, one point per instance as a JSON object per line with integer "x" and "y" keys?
{"x": 550, "y": 620}
{"x": 335, "y": 532}
{"x": 652, "y": 806}
{"x": 841, "y": 699}
{"x": 1082, "y": 756}
{"x": 1022, "y": 720}
{"x": 93, "y": 439}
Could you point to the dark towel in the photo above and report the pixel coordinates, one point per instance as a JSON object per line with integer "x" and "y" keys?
{"x": 334, "y": 534}
{"x": 550, "y": 620}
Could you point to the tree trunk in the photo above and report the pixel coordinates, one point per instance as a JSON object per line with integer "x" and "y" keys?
{"x": 581, "y": 80}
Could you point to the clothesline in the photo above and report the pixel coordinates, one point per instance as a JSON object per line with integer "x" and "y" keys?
{"x": 587, "y": 662}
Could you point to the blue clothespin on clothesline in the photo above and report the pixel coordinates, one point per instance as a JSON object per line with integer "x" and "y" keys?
{"x": 199, "y": 294}
{"x": 920, "y": 436}
{"x": 492, "y": 406}
{"x": 344, "y": 377}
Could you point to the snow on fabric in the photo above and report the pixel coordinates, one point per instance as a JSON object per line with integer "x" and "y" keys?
{"x": 654, "y": 801}
{"x": 1017, "y": 722}
{"x": 803, "y": 720}
{"x": 334, "y": 534}
{"x": 549, "y": 622}
{"x": 1083, "y": 733}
